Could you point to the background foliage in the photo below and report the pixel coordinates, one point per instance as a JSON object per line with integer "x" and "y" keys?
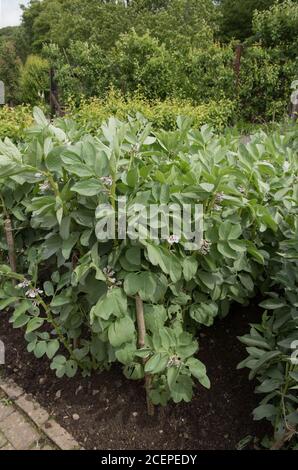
{"x": 172, "y": 49}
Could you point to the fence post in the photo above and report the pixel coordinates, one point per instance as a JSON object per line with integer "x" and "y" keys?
{"x": 237, "y": 63}
{"x": 54, "y": 96}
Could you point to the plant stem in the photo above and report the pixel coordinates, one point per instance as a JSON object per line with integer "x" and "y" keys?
{"x": 141, "y": 344}
{"x": 52, "y": 321}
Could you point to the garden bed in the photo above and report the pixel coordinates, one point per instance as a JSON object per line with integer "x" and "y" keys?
{"x": 112, "y": 411}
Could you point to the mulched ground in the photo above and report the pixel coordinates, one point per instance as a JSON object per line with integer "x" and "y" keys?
{"x": 107, "y": 411}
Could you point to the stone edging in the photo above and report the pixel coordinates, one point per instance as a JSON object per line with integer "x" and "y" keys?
{"x": 46, "y": 425}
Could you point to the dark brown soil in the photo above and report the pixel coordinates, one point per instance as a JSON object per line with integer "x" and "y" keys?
{"x": 111, "y": 409}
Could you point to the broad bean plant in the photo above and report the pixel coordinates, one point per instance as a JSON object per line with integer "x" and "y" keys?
{"x": 87, "y": 297}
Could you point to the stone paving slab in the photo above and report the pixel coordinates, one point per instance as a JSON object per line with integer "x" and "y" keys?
{"x": 25, "y": 425}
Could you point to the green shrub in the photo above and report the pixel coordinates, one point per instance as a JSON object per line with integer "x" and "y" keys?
{"x": 162, "y": 114}
{"x": 265, "y": 84}
{"x": 206, "y": 74}
{"x": 35, "y": 80}
{"x": 14, "y": 121}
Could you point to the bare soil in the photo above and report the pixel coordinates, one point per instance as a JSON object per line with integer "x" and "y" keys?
{"x": 106, "y": 411}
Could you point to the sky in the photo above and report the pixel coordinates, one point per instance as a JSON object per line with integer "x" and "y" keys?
{"x": 10, "y": 12}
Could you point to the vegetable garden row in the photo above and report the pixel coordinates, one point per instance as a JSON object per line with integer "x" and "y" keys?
{"x": 86, "y": 302}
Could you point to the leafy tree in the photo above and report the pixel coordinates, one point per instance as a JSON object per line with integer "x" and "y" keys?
{"x": 100, "y": 22}
{"x": 10, "y": 70}
{"x": 81, "y": 70}
{"x": 140, "y": 63}
{"x": 278, "y": 26}
{"x": 237, "y": 15}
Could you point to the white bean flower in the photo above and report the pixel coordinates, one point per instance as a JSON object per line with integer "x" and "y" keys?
{"x": 286, "y": 166}
{"x": 174, "y": 361}
{"x": 173, "y": 239}
{"x": 33, "y": 293}
{"x": 108, "y": 271}
{"x": 44, "y": 187}
{"x": 23, "y": 284}
{"x": 107, "y": 181}
{"x": 205, "y": 247}
{"x": 219, "y": 197}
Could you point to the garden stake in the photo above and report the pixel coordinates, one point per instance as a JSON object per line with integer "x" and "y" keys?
{"x": 141, "y": 344}
{"x": 10, "y": 244}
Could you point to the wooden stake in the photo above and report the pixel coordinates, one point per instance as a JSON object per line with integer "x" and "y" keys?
{"x": 10, "y": 244}
{"x": 141, "y": 344}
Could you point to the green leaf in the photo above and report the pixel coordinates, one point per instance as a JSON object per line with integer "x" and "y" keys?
{"x": 181, "y": 390}
{"x": 121, "y": 331}
{"x": 134, "y": 372}
{"x": 51, "y": 246}
{"x": 157, "y": 363}
{"x": 34, "y": 324}
{"x": 228, "y": 231}
{"x": 6, "y": 302}
{"x": 144, "y": 284}
{"x": 20, "y": 309}
{"x": 64, "y": 230}
{"x": 190, "y": 267}
{"x": 39, "y": 117}
{"x": 167, "y": 261}
{"x": 225, "y": 249}
{"x": 204, "y": 313}
{"x": 264, "y": 360}
{"x": 61, "y": 299}
{"x": 155, "y": 317}
{"x": 21, "y": 321}
{"x": 71, "y": 368}
{"x": 196, "y": 367}
{"x": 114, "y": 302}
{"x": 40, "y": 349}
{"x": 133, "y": 256}
{"x": 48, "y": 289}
{"x": 264, "y": 411}
{"x": 273, "y": 304}
{"x": 52, "y": 348}
{"x": 58, "y": 364}
{"x": 90, "y": 187}
{"x": 126, "y": 354}
{"x": 68, "y": 245}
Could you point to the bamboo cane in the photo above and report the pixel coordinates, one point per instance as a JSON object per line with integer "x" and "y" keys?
{"x": 141, "y": 344}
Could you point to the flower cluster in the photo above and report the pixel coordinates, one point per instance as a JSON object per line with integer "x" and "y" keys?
{"x": 33, "y": 293}
{"x": 174, "y": 361}
{"x": 44, "y": 187}
{"x": 173, "y": 239}
{"x": 23, "y": 284}
{"x": 110, "y": 275}
{"x": 107, "y": 181}
{"x": 205, "y": 247}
